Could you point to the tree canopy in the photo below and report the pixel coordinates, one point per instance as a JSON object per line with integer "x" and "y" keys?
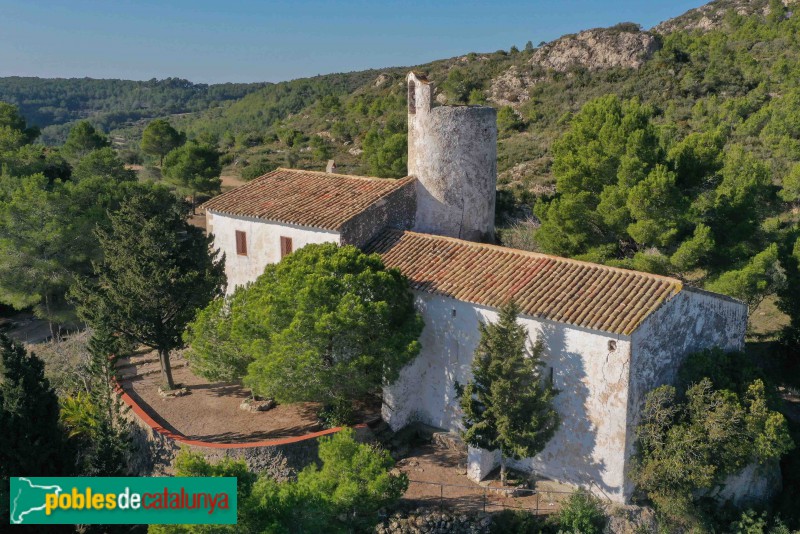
{"x": 159, "y": 138}
{"x": 14, "y": 132}
{"x": 31, "y": 442}
{"x": 47, "y": 217}
{"x": 102, "y": 163}
{"x": 82, "y": 139}
{"x": 327, "y": 324}
{"x": 626, "y": 197}
{"x": 193, "y": 168}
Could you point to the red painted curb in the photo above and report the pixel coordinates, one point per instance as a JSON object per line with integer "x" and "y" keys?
{"x": 180, "y": 438}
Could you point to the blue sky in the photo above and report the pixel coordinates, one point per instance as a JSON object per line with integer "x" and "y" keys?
{"x": 247, "y": 40}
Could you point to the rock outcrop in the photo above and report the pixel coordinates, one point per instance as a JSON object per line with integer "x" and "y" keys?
{"x": 597, "y": 49}
{"x": 427, "y": 521}
{"x": 711, "y": 16}
{"x": 511, "y": 88}
{"x": 621, "y": 46}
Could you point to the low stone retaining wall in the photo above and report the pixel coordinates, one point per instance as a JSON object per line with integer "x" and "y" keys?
{"x": 156, "y": 446}
{"x": 427, "y": 521}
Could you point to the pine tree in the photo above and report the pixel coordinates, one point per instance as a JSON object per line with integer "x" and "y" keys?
{"x": 159, "y": 138}
{"x": 31, "y": 440}
{"x": 508, "y": 406}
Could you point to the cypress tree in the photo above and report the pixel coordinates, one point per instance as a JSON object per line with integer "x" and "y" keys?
{"x": 109, "y": 444}
{"x": 31, "y": 441}
{"x": 508, "y": 405}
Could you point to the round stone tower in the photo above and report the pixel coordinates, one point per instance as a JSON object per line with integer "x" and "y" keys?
{"x": 452, "y": 151}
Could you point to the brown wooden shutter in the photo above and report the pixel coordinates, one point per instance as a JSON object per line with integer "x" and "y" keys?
{"x": 286, "y": 246}
{"x": 241, "y": 243}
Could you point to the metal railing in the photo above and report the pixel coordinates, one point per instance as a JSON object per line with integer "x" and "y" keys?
{"x": 485, "y": 498}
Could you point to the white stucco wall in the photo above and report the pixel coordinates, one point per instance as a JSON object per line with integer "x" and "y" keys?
{"x": 263, "y": 243}
{"x": 588, "y": 448}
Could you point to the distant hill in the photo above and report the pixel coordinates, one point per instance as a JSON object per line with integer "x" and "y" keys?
{"x": 731, "y": 64}
{"x": 738, "y": 73}
{"x": 53, "y": 103}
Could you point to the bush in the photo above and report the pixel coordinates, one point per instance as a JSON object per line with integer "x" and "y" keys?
{"x": 256, "y": 169}
{"x": 508, "y": 121}
{"x": 583, "y": 513}
{"x": 518, "y": 522}
{"x": 344, "y": 495}
{"x": 226, "y": 158}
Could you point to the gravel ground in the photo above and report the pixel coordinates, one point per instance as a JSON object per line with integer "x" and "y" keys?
{"x": 210, "y": 412}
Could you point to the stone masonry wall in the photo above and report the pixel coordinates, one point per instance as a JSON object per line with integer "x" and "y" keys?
{"x": 396, "y": 210}
{"x": 452, "y": 151}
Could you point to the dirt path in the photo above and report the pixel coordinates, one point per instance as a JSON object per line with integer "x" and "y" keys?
{"x": 230, "y": 181}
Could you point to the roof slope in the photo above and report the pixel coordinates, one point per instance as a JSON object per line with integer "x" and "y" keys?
{"x": 559, "y": 289}
{"x": 307, "y": 198}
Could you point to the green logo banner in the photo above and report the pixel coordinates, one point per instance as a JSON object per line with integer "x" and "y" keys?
{"x": 123, "y": 500}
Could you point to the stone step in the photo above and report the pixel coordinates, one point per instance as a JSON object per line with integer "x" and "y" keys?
{"x": 150, "y": 368}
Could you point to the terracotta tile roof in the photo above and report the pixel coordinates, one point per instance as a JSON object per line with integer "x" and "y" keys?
{"x": 307, "y": 198}
{"x": 568, "y": 291}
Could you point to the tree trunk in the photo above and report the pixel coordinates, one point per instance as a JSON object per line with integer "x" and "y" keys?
{"x": 502, "y": 468}
{"x": 166, "y": 370}
{"x": 50, "y": 322}
{"x": 193, "y": 202}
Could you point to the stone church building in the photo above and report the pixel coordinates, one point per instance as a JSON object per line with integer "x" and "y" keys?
{"x": 610, "y": 335}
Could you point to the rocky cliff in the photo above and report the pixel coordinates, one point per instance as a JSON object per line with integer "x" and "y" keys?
{"x": 621, "y": 46}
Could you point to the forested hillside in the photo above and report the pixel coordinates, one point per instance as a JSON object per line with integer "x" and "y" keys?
{"x": 53, "y": 104}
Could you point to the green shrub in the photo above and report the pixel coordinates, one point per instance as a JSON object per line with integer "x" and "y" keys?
{"x": 256, "y": 169}
{"x": 582, "y": 514}
{"x": 517, "y": 522}
{"x": 344, "y": 495}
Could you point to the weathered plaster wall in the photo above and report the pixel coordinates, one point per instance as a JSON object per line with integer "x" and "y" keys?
{"x": 588, "y": 449}
{"x": 263, "y": 243}
{"x": 395, "y": 210}
{"x": 693, "y": 320}
{"x": 452, "y": 150}
{"x": 755, "y": 485}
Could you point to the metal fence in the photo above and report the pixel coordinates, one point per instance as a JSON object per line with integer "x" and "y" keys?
{"x": 456, "y": 497}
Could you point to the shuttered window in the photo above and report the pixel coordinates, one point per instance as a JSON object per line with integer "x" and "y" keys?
{"x": 286, "y": 246}
{"x": 241, "y": 243}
